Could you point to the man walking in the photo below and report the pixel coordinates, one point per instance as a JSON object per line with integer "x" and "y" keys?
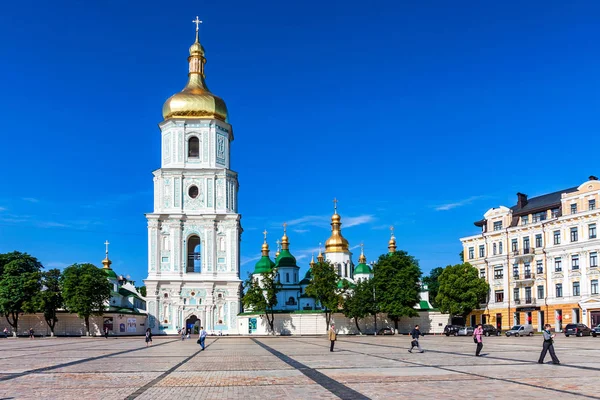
{"x": 332, "y": 337}
{"x": 548, "y": 345}
{"x": 415, "y": 333}
{"x": 477, "y": 338}
{"x": 202, "y": 337}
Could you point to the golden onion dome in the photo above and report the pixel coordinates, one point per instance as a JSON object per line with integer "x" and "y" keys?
{"x": 392, "y": 242}
{"x": 195, "y": 100}
{"x": 336, "y": 242}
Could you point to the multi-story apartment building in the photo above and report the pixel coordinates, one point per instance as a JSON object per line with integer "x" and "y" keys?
{"x": 540, "y": 258}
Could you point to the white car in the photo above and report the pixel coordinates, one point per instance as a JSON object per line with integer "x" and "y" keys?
{"x": 520, "y": 330}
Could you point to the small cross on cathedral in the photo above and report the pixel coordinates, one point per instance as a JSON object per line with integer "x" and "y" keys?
{"x": 284, "y": 227}
{"x": 197, "y": 22}
{"x": 392, "y": 230}
{"x": 106, "y": 244}
{"x": 265, "y": 233}
{"x": 335, "y": 201}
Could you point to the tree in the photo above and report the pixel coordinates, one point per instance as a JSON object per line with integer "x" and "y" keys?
{"x": 461, "y": 290}
{"x": 86, "y": 291}
{"x": 142, "y": 290}
{"x": 461, "y": 255}
{"x": 359, "y": 303}
{"x": 20, "y": 284}
{"x": 50, "y": 298}
{"x": 433, "y": 284}
{"x": 261, "y": 294}
{"x": 396, "y": 279}
{"x": 323, "y": 287}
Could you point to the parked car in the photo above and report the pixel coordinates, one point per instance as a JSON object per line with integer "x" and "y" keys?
{"x": 520, "y": 330}
{"x": 451, "y": 330}
{"x": 596, "y": 331}
{"x": 490, "y": 330}
{"x": 385, "y": 331}
{"x": 577, "y": 330}
{"x": 466, "y": 331}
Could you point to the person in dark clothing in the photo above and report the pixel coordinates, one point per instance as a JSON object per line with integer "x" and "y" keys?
{"x": 106, "y": 332}
{"x": 148, "y": 337}
{"x": 548, "y": 346}
{"x": 415, "y": 333}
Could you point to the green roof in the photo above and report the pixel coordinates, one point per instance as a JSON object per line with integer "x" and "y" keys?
{"x": 307, "y": 277}
{"x": 285, "y": 259}
{"x": 127, "y": 293}
{"x": 424, "y": 305}
{"x": 109, "y": 273}
{"x": 265, "y": 264}
{"x": 362, "y": 268}
{"x": 341, "y": 283}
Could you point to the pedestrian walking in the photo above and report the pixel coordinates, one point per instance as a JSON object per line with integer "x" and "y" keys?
{"x": 30, "y": 333}
{"x": 5, "y": 332}
{"x": 415, "y": 333}
{"x": 548, "y": 346}
{"x": 477, "y": 338}
{"x": 182, "y": 333}
{"x": 332, "y": 337}
{"x": 148, "y": 337}
{"x": 201, "y": 337}
{"x": 106, "y": 332}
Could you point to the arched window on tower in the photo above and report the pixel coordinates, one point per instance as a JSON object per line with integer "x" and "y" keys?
{"x": 194, "y": 260}
{"x": 339, "y": 268}
{"x": 346, "y": 269}
{"x": 194, "y": 147}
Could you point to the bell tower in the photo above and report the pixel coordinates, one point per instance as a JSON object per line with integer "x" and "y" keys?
{"x": 194, "y": 230}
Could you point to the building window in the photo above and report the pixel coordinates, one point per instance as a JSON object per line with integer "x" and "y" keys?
{"x": 482, "y": 273}
{"x": 576, "y": 291}
{"x": 495, "y": 248}
{"x": 500, "y": 246}
{"x": 524, "y": 219}
{"x": 516, "y": 293}
{"x": 593, "y": 260}
{"x": 287, "y": 277}
{"x": 498, "y": 225}
{"x": 527, "y": 270}
{"x": 574, "y": 208}
{"x": 539, "y": 267}
{"x": 592, "y": 231}
{"x": 516, "y": 271}
{"x": 528, "y": 295}
{"x": 471, "y": 253}
{"x": 194, "y": 147}
{"x": 554, "y": 212}
{"x": 594, "y": 286}
{"x": 557, "y": 264}
{"x": 538, "y": 241}
{"x": 540, "y": 216}
{"x": 481, "y": 251}
{"x": 556, "y": 237}
{"x": 559, "y": 290}
{"x": 499, "y": 296}
{"x": 526, "y": 244}
{"x": 515, "y": 245}
{"x": 540, "y": 292}
{"x": 574, "y": 235}
{"x": 592, "y": 204}
{"x": 575, "y": 261}
{"x": 498, "y": 272}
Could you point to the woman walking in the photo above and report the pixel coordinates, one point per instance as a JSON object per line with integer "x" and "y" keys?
{"x": 548, "y": 346}
{"x": 477, "y": 338}
{"x": 148, "y": 337}
{"x": 332, "y": 337}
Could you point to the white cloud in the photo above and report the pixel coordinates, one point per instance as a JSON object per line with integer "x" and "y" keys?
{"x": 2, "y": 209}
{"x": 51, "y": 224}
{"x": 460, "y": 203}
{"x": 30, "y": 199}
{"x": 300, "y": 230}
{"x": 246, "y": 260}
{"x": 316, "y": 220}
{"x": 355, "y": 221}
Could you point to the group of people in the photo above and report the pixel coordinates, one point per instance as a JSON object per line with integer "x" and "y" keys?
{"x": 548, "y": 345}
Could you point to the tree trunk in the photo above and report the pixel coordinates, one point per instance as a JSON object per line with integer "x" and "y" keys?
{"x": 327, "y": 319}
{"x": 357, "y": 327}
{"x": 87, "y": 325}
{"x": 15, "y": 322}
{"x": 396, "y": 324}
{"x": 271, "y": 321}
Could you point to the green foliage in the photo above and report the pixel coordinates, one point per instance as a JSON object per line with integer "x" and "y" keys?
{"x": 397, "y": 290}
{"x": 433, "y": 284}
{"x": 359, "y": 303}
{"x": 461, "y": 255}
{"x": 20, "y": 284}
{"x": 461, "y": 290}
{"x": 85, "y": 291}
{"x": 323, "y": 287}
{"x": 142, "y": 290}
{"x": 50, "y": 298}
{"x": 261, "y": 294}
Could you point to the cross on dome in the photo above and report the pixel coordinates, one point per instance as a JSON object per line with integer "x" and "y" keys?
{"x": 284, "y": 228}
{"x": 197, "y": 22}
{"x": 392, "y": 230}
{"x": 106, "y": 244}
{"x": 265, "y": 233}
{"x": 335, "y": 201}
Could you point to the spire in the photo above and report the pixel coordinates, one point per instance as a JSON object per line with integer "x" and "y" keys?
{"x": 320, "y": 257}
{"x": 336, "y": 242}
{"x": 106, "y": 262}
{"x": 362, "y": 259}
{"x": 312, "y": 260}
{"x": 285, "y": 244}
{"x": 392, "y": 242}
{"x": 278, "y": 248}
{"x": 265, "y": 246}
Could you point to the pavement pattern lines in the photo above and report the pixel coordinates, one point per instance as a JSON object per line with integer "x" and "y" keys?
{"x": 362, "y": 367}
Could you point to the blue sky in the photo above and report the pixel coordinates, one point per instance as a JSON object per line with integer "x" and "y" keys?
{"x": 420, "y": 115}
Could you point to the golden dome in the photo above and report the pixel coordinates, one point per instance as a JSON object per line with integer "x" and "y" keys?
{"x": 392, "y": 242}
{"x": 285, "y": 243}
{"x": 265, "y": 246}
{"x": 362, "y": 259}
{"x": 195, "y": 100}
{"x": 312, "y": 260}
{"x": 336, "y": 242}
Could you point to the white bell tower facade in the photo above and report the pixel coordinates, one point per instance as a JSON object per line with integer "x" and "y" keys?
{"x": 194, "y": 231}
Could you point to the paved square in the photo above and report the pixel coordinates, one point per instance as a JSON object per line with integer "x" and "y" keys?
{"x": 262, "y": 368}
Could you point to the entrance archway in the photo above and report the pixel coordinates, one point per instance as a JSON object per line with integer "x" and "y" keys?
{"x": 192, "y": 324}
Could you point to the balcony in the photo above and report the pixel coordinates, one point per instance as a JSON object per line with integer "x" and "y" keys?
{"x": 527, "y": 276}
{"x": 527, "y": 302}
{"x": 524, "y": 254}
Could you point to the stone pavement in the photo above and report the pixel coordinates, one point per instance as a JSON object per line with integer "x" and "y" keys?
{"x": 362, "y": 367}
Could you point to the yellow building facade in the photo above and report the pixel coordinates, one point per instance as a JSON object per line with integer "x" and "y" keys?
{"x": 540, "y": 258}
